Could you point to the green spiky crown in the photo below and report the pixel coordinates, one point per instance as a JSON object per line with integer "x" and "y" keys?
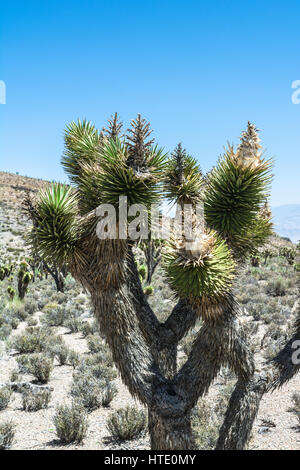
{"x": 200, "y": 268}
{"x": 183, "y": 180}
{"x": 103, "y": 166}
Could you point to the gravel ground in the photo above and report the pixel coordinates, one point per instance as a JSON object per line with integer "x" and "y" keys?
{"x": 275, "y": 426}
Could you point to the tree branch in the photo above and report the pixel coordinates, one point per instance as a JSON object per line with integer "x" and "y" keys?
{"x": 244, "y": 402}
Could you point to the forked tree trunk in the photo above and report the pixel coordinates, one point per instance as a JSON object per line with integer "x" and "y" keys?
{"x": 169, "y": 432}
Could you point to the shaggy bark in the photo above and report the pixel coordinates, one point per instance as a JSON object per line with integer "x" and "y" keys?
{"x": 245, "y": 400}
{"x": 144, "y": 351}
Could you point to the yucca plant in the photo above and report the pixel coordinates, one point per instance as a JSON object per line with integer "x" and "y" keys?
{"x": 5, "y": 271}
{"x": 11, "y": 292}
{"x": 24, "y": 278}
{"x": 230, "y": 220}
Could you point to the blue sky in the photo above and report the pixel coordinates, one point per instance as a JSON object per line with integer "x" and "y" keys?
{"x": 198, "y": 70}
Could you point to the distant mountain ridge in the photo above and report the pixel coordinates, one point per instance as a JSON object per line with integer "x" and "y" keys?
{"x": 286, "y": 221}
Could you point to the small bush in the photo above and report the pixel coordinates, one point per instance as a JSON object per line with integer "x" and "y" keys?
{"x": 7, "y": 434}
{"x": 74, "y": 359}
{"x": 5, "y": 395}
{"x": 88, "y": 328}
{"x": 15, "y": 376}
{"x": 96, "y": 344}
{"x": 34, "y": 400}
{"x": 108, "y": 394}
{"x": 276, "y": 288}
{"x": 73, "y": 324}
{"x": 71, "y": 423}
{"x": 204, "y": 426}
{"x": 32, "y": 321}
{"x": 54, "y": 315}
{"x": 31, "y": 340}
{"x": 126, "y": 423}
{"x": 61, "y": 352}
{"x": 296, "y": 408}
{"x": 88, "y": 390}
{"x": 40, "y": 365}
{"x": 30, "y": 306}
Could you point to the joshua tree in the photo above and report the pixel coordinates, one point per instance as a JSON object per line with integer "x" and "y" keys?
{"x": 200, "y": 268}
{"x": 5, "y": 271}
{"x": 24, "y": 278}
{"x": 152, "y": 252}
{"x": 37, "y": 264}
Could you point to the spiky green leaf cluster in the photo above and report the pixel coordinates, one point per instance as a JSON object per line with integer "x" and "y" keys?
{"x": 55, "y": 236}
{"x": 234, "y": 197}
{"x": 117, "y": 179}
{"x": 183, "y": 180}
{"x": 211, "y": 278}
{"x": 82, "y": 143}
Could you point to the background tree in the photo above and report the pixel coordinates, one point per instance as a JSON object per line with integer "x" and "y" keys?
{"x": 36, "y": 262}
{"x": 200, "y": 269}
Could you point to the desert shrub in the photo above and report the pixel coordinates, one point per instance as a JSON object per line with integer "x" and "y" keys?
{"x": 15, "y": 376}
{"x": 59, "y": 297}
{"x": 40, "y": 366}
{"x": 17, "y": 309}
{"x": 71, "y": 423}
{"x": 53, "y": 341}
{"x": 103, "y": 372}
{"x": 54, "y": 315}
{"x": 73, "y": 324}
{"x": 33, "y": 339}
{"x": 34, "y": 400}
{"x": 41, "y": 303}
{"x": 204, "y": 426}
{"x": 61, "y": 353}
{"x": 108, "y": 393}
{"x": 96, "y": 344}
{"x": 126, "y": 423}
{"x": 14, "y": 323}
{"x": 88, "y": 328}
{"x": 30, "y": 306}
{"x": 88, "y": 390}
{"x": 5, "y": 332}
{"x": 7, "y": 434}
{"x": 32, "y": 321}
{"x": 5, "y": 396}
{"x": 74, "y": 359}
{"x": 222, "y": 399}
{"x": 276, "y": 287}
{"x": 80, "y": 299}
{"x": 296, "y": 403}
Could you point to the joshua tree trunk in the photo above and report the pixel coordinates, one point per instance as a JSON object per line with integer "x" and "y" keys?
{"x": 144, "y": 349}
{"x": 169, "y": 433}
